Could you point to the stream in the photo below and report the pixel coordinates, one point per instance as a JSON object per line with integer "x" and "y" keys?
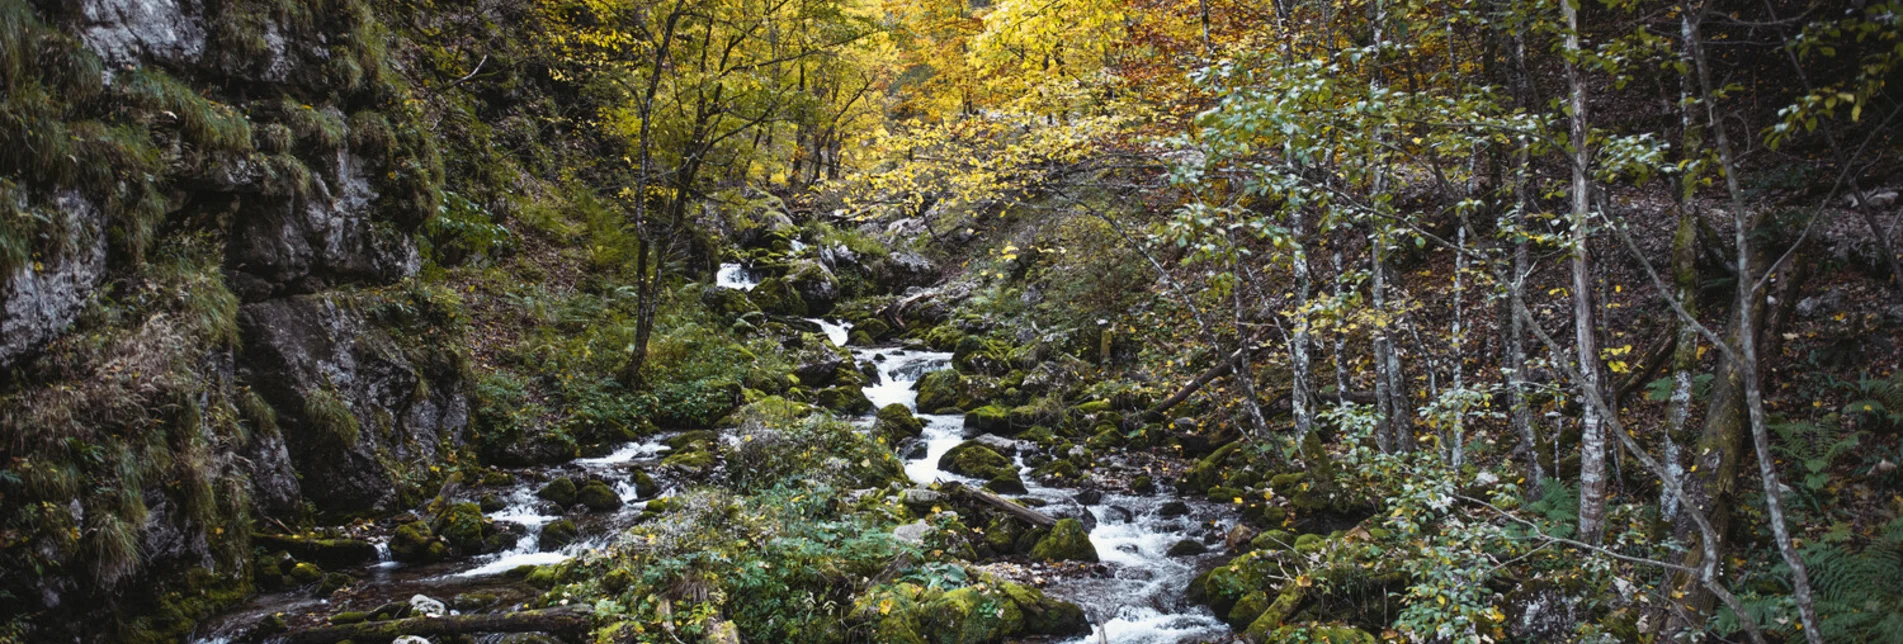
{"x": 1135, "y": 595}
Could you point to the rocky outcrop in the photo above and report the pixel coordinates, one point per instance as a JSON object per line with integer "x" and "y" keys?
{"x": 902, "y": 270}
{"x": 39, "y": 301}
{"x": 350, "y": 403}
{"x": 131, "y": 31}
{"x": 304, "y": 244}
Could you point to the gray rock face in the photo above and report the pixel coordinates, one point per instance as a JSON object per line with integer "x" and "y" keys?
{"x": 129, "y": 32}
{"x": 303, "y": 245}
{"x": 902, "y": 270}
{"x": 38, "y": 302}
{"x": 305, "y": 355}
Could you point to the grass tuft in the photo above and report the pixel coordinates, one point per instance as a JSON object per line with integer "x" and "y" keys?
{"x": 330, "y": 415}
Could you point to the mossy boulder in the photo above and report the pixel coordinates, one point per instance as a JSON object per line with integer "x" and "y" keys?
{"x": 944, "y": 337}
{"x": 696, "y": 461}
{"x": 598, "y": 497}
{"x": 413, "y": 542}
{"x": 1058, "y": 470}
{"x": 1310, "y": 543}
{"x": 462, "y": 526}
{"x": 560, "y": 491}
{"x": 305, "y": 573}
{"x": 691, "y": 440}
{"x": 975, "y": 459}
{"x": 816, "y": 286}
{"x": 1272, "y": 541}
{"x": 1227, "y": 584}
{"x": 989, "y": 419}
{"x": 726, "y": 301}
{"x": 1208, "y": 472}
{"x": 940, "y": 389}
{"x": 644, "y": 485}
{"x": 492, "y": 503}
{"x": 1247, "y": 609}
{"x": 556, "y": 535}
{"x": 1067, "y": 541}
{"x": 1045, "y": 615}
{"x": 897, "y": 423}
{"x": 1006, "y": 484}
{"x": 775, "y": 295}
{"x": 845, "y": 399}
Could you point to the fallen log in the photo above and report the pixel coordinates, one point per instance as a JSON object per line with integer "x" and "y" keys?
{"x": 1022, "y": 513}
{"x": 1221, "y": 369}
{"x": 566, "y": 623}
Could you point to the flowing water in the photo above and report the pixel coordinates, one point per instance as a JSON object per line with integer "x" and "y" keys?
{"x": 1140, "y": 597}
{"x": 733, "y": 275}
{"x": 1136, "y": 595}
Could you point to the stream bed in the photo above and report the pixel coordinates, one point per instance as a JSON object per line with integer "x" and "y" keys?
{"x": 1135, "y": 595}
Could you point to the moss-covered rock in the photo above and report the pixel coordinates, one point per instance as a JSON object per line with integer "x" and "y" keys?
{"x": 775, "y": 295}
{"x": 989, "y": 419}
{"x": 556, "y": 535}
{"x": 1272, "y": 541}
{"x": 560, "y": 491}
{"x": 695, "y": 462}
{"x": 845, "y": 399}
{"x": 1006, "y": 484}
{"x": 944, "y": 337}
{"x": 692, "y": 439}
{"x": 491, "y": 502}
{"x": 413, "y": 542}
{"x": 461, "y": 525}
{"x": 1068, "y": 541}
{"x": 644, "y": 485}
{"x": 976, "y": 460}
{"x": 1247, "y": 609}
{"x": 598, "y": 497}
{"x": 940, "y": 389}
{"x": 306, "y": 572}
{"x": 1208, "y": 472}
{"x": 897, "y": 423}
{"x": 1045, "y": 615}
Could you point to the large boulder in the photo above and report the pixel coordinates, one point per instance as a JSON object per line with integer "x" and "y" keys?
{"x": 815, "y": 284}
{"x": 776, "y": 295}
{"x": 349, "y": 401}
{"x": 940, "y": 390}
{"x": 1067, "y": 541}
{"x": 902, "y": 270}
{"x": 976, "y": 460}
{"x": 897, "y": 423}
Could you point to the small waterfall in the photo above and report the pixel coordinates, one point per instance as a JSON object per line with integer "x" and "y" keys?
{"x": 736, "y": 276}
{"x": 838, "y": 332}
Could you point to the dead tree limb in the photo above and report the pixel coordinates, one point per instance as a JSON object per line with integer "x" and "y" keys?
{"x": 566, "y": 623}
{"x": 996, "y": 502}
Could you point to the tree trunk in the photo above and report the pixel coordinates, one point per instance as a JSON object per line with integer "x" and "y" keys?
{"x": 1746, "y": 349}
{"x": 1299, "y": 385}
{"x": 1592, "y": 442}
